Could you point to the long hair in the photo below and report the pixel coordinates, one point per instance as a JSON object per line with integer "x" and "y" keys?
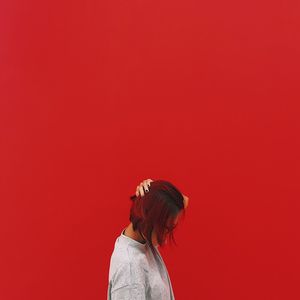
{"x": 157, "y": 210}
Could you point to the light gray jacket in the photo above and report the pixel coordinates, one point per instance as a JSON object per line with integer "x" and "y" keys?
{"x": 135, "y": 274}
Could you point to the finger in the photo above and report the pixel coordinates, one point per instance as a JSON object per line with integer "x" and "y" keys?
{"x": 141, "y": 190}
{"x": 145, "y": 185}
{"x": 149, "y": 181}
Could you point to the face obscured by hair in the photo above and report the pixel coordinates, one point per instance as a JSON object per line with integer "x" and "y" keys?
{"x": 172, "y": 223}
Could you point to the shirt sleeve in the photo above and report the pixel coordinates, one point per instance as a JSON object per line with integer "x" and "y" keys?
{"x": 129, "y": 292}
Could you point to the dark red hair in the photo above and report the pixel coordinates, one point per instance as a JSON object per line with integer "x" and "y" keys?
{"x": 157, "y": 210}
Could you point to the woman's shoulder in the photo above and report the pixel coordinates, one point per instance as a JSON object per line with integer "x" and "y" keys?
{"x": 129, "y": 263}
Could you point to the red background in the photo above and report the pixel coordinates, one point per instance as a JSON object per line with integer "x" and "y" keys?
{"x": 98, "y": 95}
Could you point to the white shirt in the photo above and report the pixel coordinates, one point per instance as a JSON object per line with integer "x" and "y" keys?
{"x": 135, "y": 274}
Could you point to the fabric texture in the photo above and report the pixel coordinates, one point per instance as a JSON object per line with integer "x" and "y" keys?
{"x": 135, "y": 273}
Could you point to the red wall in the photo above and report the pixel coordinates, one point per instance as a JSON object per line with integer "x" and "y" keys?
{"x": 98, "y": 95}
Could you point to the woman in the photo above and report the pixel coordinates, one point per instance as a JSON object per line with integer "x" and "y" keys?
{"x": 137, "y": 270}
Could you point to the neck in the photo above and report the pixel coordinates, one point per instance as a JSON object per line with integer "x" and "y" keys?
{"x": 134, "y": 234}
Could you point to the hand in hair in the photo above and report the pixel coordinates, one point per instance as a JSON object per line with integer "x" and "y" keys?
{"x": 144, "y": 185}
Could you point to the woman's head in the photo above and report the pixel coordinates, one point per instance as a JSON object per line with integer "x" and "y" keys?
{"x": 156, "y": 214}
